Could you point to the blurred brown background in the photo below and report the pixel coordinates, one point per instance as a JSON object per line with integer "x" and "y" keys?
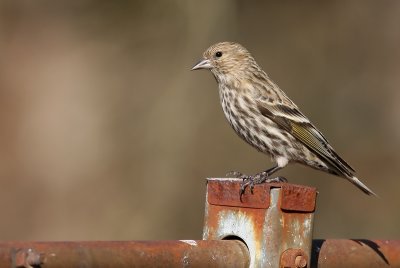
{"x": 106, "y": 134}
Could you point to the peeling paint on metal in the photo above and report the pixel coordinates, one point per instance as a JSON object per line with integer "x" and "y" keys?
{"x": 125, "y": 254}
{"x": 239, "y": 224}
{"x": 275, "y": 218}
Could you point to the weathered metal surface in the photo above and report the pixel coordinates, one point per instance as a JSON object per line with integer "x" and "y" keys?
{"x": 298, "y": 198}
{"x": 184, "y": 253}
{"x": 275, "y": 218}
{"x": 224, "y": 192}
{"x": 329, "y": 253}
{"x": 28, "y": 258}
{"x": 355, "y": 253}
{"x": 293, "y": 258}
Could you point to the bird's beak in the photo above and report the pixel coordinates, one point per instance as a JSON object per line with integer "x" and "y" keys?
{"x": 203, "y": 64}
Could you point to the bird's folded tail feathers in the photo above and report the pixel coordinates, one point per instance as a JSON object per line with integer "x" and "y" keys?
{"x": 361, "y": 186}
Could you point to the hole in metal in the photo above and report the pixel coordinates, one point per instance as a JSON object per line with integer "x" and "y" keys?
{"x": 234, "y": 237}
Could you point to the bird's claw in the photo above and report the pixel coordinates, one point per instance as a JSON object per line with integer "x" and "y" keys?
{"x": 251, "y": 181}
{"x": 248, "y": 181}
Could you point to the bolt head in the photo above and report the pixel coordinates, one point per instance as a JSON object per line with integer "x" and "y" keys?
{"x": 300, "y": 261}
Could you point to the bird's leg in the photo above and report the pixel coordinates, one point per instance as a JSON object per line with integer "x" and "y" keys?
{"x": 262, "y": 177}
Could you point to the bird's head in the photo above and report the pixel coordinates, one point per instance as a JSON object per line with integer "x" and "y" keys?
{"x": 225, "y": 58}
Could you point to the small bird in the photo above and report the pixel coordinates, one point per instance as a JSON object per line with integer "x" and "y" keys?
{"x": 264, "y": 116}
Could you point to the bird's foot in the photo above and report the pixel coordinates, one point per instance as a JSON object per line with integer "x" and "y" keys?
{"x": 251, "y": 181}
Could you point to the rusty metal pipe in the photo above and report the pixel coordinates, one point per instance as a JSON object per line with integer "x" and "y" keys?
{"x": 355, "y": 253}
{"x": 329, "y": 253}
{"x": 184, "y": 253}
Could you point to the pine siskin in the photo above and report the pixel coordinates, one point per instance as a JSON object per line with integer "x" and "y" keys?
{"x": 261, "y": 114}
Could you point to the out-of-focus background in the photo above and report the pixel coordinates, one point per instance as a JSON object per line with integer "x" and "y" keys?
{"x": 105, "y": 133}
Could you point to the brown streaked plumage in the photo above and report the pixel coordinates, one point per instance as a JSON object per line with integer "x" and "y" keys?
{"x": 261, "y": 114}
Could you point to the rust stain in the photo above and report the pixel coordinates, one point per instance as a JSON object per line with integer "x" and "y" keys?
{"x": 275, "y": 218}
{"x": 293, "y": 258}
{"x": 355, "y": 253}
{"x": 198, "y": 253}
{"x": 298, "y": 198}
{"x": 225, "y": 192}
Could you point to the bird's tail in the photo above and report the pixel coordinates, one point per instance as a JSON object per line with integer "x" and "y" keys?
{"x": 361, "y": 186}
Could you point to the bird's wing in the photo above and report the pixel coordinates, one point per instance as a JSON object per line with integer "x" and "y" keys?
{"x": 298, "y": 125}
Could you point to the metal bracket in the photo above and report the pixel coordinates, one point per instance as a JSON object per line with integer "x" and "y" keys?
{"x": 276, "y": 218}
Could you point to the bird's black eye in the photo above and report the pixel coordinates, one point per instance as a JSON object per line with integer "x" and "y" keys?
{"x": 218, "y": 54}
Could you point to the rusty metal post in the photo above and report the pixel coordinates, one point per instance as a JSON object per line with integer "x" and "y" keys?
{"x": 275, "y": 222}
